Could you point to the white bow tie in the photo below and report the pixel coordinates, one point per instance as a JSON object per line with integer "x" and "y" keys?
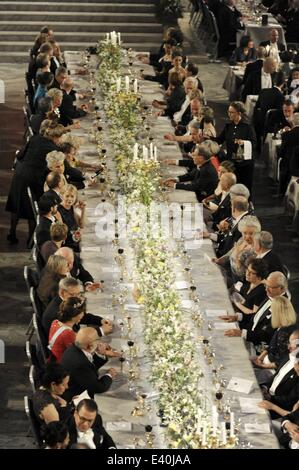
{"x": 86, "y": 438}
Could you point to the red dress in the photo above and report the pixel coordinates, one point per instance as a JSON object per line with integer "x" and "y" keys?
{"x": 63, "y": 340}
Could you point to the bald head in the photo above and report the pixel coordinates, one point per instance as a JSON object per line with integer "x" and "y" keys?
{"x": 227, "y": 180}
{"x": 87, "y": 339}
{"x": 68, "y": 254}
{"x": 67, "y": 84}
{"x": 276, "y": 284}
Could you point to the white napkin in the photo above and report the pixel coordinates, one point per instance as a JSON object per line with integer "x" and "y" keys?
{"x": 247, "y": 150}
{"x": 241, "y": 385}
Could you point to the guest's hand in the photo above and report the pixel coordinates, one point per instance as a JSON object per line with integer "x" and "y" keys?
{"x": 223, "y": 226}
{"x": 229, "y": 318}
{"x": 239, "y": 141}
{"x": 81, "y": 96}
{"x": 267, "y": 405}
{"x": 291, "y": 427}
{"x": 233, "y": 333}
{"x": 107, "y": 326}
{"x": 168, "y": 181}
{"x": 92, "y": 287}
{"x": 84, "y": 107}
{"x": 169, "y": 137}
{"x": 111, "y": 353}
{"x": 112, "y": 372}
{"x": 156, "y": 104}
{"x": 169, "y": 161}
{"x": 81, "y": 205}
{"x": 75, "y": 125}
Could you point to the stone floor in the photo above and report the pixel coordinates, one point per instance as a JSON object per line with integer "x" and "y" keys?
{"x": 14, "y": 306}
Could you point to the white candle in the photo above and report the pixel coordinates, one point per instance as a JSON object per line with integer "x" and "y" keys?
{"x": 107, "y": 37}
{"x": 127, "y": 83}
{"x": 223, "y": 433}
{"x": 204, "y": 435}
{"x": 155, "y": 154}
{"x": 232, "y": 424}
{"x": 135, "y": 86}
{"x": 135, "y": 151}
{"x": 146, "y": 155}
{"x": 214, "y": 421}
{"x": 118, "y": 84}
{"x": 151, "y": 150}
{"x": 119, "y": 40}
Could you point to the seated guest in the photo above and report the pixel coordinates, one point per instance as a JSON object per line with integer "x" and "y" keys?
{"x": 45, "y": 106}
{"x": 61, "y": 74}
{"x": 282, "y": 120}
{"x": 203, "y": 179}
{"x": 190, "y": 84}
{"x": 260, "y": 79}
{"x": 177, "y": 60}
{"x": 42, "y": 63}
{"x": 55, "y": 269}
{"x": 77, "y": 270}
{"x": 244, "y": 53}
{"x": 83, "y": 360}
{"x": 47, "y": 403}
{"x": 71, "y": 218}
{"x": 293, "y": 80}
{"x": 229, "y": 22}
{"x": 40, "y": 39}
{"x": 44, "y": 80}
{"x": 252, "y": 291}
{"x": 56, "y": 96}
{"x": 55, "y": 435}
{"x": 164, "y": 64}
{"x": 58, "y": 234}
{"x": 175, "y": 97}
{"x": 283, "y": 321}
{"x": 273, "y": 43}
{"x": 154, "y": 58}
{"x": 47, "y": 206}
{"x": 263, "y": 244}
{"x": 57, "y": 59}
{"x": 257, "y": 328}
{"x": 192, "y": 71}
{"x": 217, "y": 208}
{"x": 236, "y": 135}
{"x": 70, "y": 287}
{"x": 283, "y": 387}
{"x": 68, "y": 111}
{"x": 70, "y": 149}
{"x": 61, "y": 334}
{"x": 55, "y": 183}
{"x": 86, "y": 427}
{"x": 55, "y": 163}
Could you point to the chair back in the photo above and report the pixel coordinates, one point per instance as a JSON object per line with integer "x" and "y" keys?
{"x": 34, "y": 423}
{"x": 42, "y": 341}
{"x": 36, "y": 302}
{"x": 34, "y": 357}
{"x": 31, "y": 278}
{"x": 33, "y": 203}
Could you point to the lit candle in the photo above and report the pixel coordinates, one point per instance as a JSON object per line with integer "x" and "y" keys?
{"x": 151, "y": 150}
{"x": 118, "y": 84}
{"x": 119, "y": 40}
{"x": 232, "y": 424}
{"x": 204, "y": 435}
{"x": 135, "y": 86}
{"x": 155, "y": 154}
{"x": 127, "y": 83}
{"x": 146, "y": 155}
{"x": 135, "y": 151}
{"x": 113, "y": 38}
{"x": 214, "y": 421}
{"x": 107, "y": 37}
{"x": 223, "y": 433}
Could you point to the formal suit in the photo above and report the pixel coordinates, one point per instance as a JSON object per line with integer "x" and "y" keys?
{"x": 228, "y": 24}
{"x": 289, "y": 142}
{"x": 273, "y": 262}
{"x": 227, "y": 240}
{"x": 252, "y": 67}
{"x": 259, "y": 332}
{"x": 68, "y": 111}
{"x": 79, "y": 272}
{"x": 281, "y": 47}
{"x": 223, "y": 211}
{"x": 101, "y": 438}
{"x": 43, "y": 231}
{"x": 277, "y": 121}
{"x": 51, "y": 313}
{"x": 287, "y": 390}
{"x": 84, "y": 373}
{"x": 253, "y": 84}
{"x": 269, "y": 98}
{"x": 175, "y": 101}
{"x": 36, "y": 120}
{"x": 203, "y": 181}
{"x": 54, "y": 194}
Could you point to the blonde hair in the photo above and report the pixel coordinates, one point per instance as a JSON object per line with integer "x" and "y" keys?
{"x": 73, "y": 140}
{"x": 50, "y": 129}
{"x": 283, "y": 313}
{"x": 55, "y": 93}
{"x": 56, "y": 264}
{"x": 195, "y": 93}
{"x": 54, "y": 157}
{"x": 70, "y": 189}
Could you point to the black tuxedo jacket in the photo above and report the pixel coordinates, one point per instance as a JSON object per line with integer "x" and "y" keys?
{"x": 203, "y": 181}
{"x": 79, "y": 272}
{"x": 252, "y": 67}
{"x": 289, "y": 140}
{"x": 227, "y": 240}
{"x": 83, "y": 373}
{"x": 223, "y": 211}
{"x": 273, "y": 262}
{"x": 253, "y": 84}
{"x": 101, "y": 439}
{"x": 43, "y": 231}
{"x": 287, "y": 392}
{"x": 269, "y": 98}
{"x": 277, "y": 121}
{"x": 51, "y": 314}
{"x": 52, "y": 193}
{"x": 263, "y": 331}
{"x": 280, "y": 45}
{"x": 68, "y": 111}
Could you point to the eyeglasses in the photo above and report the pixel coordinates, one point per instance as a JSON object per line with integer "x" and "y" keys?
{"x": 272, "y": 287}
{"x": 250, "y": 271}
{"x": 85, "y": 420}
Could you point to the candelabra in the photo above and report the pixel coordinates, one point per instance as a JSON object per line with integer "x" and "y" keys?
{"x": 150, "y": 436}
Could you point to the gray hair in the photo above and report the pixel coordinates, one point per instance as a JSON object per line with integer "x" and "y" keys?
{"x": 280, "y": 279}
{"x": 60, "y": 70}
{"x": 67, "y": 282}
{"x": 265, "y": 239}
{"x": 239, "y": 190}
{"x": 249, "y": 221}
{"x": 203, "y": 150}
{"x": 55, "y": 93}
{"x": 54, "y": 157}
{"x": 229, "y": 178}
{"x": 240, "y": 204}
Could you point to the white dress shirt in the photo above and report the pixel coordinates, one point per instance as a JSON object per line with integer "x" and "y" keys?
{"x": 86, "y": 438}
{"x": 280, "y": 376}
{"x": 266, "y": 80}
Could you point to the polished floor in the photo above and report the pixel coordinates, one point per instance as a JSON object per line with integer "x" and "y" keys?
{"x": 15, "y": 307}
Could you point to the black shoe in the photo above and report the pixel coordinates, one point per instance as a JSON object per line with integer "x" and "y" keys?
{"x": 12, "y": 239}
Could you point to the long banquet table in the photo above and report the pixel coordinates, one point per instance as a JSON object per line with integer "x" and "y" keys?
{"x": 99, "y": 257}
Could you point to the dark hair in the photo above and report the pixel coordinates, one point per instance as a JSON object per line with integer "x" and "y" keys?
{"x": 45, "y": 47}
{"x": 177, "y": 35}
{"x": 259, "y": 266}
{"x": 89, "y": 404}
{"x": 177, "y": 53}
{"x": 279, "y": 78}
{"x": 244, "y": 41}
{"x": 288, "y": 103}
{"x": 170, "y": 42}
{"x": 238, "y": 106}
{"x": 45, "y": 203}
{"x": 54, "y": 433}
{"x": 60, "y": 70}
{"x": 45, "y": 29}
{"x": 45, "y": 104}
{"x": 53, "y": 373}
{"x": 79, "y": 445}
{"x": 174, "y": 79}
{"x": 70, "y": 308}
{"x": 66, "y": 147}
{"x": 192, "y": 68}
{"x": 228, "y": 165}
{"x": 42, "y": 60}
{"x": 44, "y": 78}
{"x": 53, "y": 179}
